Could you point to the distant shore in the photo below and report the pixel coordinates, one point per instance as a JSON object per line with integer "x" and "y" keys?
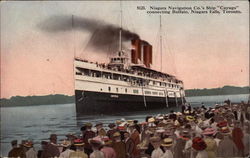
{"x": 37, "y": 100}
{"x": 226, "y": 90}
{"x": 65, "y": 99}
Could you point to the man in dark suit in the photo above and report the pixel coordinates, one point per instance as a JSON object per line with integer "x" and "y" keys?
{"x": 135, "y": 136}
{"x": 112, "y": 130}
{"x": 130, "y": 145}
{"x": 16, "y": 151}
{"x": 100, "y": 130}
{"x": 88, "y": 134}
{"x": 51, "y": 149}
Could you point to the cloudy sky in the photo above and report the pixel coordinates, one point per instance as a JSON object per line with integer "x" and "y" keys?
{"x": 38, "y": 43}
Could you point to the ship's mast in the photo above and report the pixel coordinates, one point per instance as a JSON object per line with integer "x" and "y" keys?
{"x": 120, "y": 31}
{"x": 74, "y": 36}
{"x": 161, "y": 42}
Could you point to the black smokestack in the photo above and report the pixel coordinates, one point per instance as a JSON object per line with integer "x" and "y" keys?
{"x": 104, "y": 35}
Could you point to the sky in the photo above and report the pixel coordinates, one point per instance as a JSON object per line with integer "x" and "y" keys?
{"x": 205, "y": 51}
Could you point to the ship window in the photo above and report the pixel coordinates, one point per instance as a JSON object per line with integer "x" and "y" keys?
{"x": 116, "y": 76}
{"x": 109, "y": 88}
{"x": 135, "y": 91}
{"x": 160, "y": 93}
{"x": 155, "y": 93}
{"x": 147, "y": 92}
{"x": 98, "y": 74}
{"x": 160, "y": 83}
{"x": 126, "y": 90}
{"x": 125, "y": 78}
{"x": 116, "y": 89}
{"x": 78, "y": 73}
{"x": 101, "y": 89}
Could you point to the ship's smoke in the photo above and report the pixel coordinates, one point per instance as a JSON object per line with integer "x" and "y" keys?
{"x": 104, "y": 36}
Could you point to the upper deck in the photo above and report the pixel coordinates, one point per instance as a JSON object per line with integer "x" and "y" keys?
{"x": 135, "y": 73}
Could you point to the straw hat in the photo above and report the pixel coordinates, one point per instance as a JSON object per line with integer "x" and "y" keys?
{"x": 78, "y": 142}
{"x": 130, "y": 121}
{"x": 222, "y": 124}
{"x": 123, "y": 120}
{"x": 28, "y": 144}
{"x": 176, "y": 123}
{"x": 155, "y": 139}
{"x": 185, "y": 132}
{"x": 167, "y": 142}
{"x": 107, "y": 140}
{"x": 88, "y": 124}
{"x": 65, "y": 143}
{"x": 151, "y": 120}
{"x": 95, "y": 141}
{"x": 116, "y": 134}
{"x": 190, "y": 118}
{"x": 118, "y": 122}
{"x": 225, "y": 130}
{"x": 178, "y": 113}
{"x": 209, "y": 131}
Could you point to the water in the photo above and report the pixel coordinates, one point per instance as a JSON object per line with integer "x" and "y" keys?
{"x": 38, "y": 122}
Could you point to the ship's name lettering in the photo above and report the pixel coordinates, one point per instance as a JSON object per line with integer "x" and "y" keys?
{"x": 114, "y": 96}
{"x": 227, "y": 8}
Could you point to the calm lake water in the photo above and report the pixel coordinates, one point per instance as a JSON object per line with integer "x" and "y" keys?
{"x": 38, "y": 122}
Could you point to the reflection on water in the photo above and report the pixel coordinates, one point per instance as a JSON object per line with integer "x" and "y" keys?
{"x": 38, "y": 122}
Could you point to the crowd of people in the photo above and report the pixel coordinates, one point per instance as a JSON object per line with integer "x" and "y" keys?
{"x": 199, "y": 132}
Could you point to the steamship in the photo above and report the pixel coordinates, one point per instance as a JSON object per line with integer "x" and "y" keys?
{"x": 126, "y": 83}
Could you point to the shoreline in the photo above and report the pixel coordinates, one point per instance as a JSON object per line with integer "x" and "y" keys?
{"x": 72, "y": 102}
{"x": 3, "y": 106}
